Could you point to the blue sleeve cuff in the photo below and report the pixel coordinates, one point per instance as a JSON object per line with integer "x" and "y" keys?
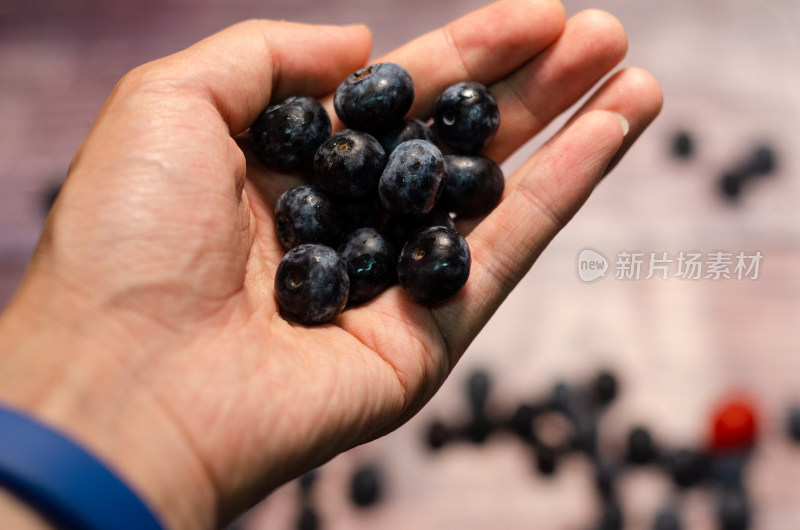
{"x": 63, "y": 482}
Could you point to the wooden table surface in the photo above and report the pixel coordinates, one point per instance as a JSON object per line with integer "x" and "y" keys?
{"x": 730, "y": 71}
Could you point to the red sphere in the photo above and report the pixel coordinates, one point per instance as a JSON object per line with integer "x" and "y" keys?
{"x": 734, "y": 425}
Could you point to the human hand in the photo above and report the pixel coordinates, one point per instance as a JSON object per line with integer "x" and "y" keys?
{"x": 147, "y": 326}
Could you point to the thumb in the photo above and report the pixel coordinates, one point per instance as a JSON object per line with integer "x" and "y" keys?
{"x": 245, "y": 66}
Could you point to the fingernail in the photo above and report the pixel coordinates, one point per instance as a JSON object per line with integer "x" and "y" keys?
{"x": 622, "y": 121}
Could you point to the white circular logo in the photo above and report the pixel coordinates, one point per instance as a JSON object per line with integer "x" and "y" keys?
{"x": 591, "y": 265}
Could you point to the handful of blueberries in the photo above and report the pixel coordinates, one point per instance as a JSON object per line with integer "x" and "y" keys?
{"x": 381, "y": 206}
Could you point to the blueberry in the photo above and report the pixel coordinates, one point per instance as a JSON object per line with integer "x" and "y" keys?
{"x": 304, "y": 214}
{"x": 287, "y": 134}
{"x": 400, "y": 228}
{"x": 374, "y": 98}
{"x": 371, "y": 264}
{"x": 412, "y": 179}
{"x": 358, "y": 213}
{"x": 408, "y": 129}
{"x": 349, "y": 164}
{"x": 434, "y": 265}
{"x": 473, "y": 186}
{"x": 466, "y": 117}
{"x": 311, "y": 284}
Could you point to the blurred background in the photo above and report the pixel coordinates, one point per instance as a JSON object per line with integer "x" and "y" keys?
{"x": 730, "y": 71}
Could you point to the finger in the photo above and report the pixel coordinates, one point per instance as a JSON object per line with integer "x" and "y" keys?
{"x": 544, "y": 193}
{"x": 593, "y": 43}
{"x": 482, "y": 46}
{"x": 243, "y": 67}
{"x": 633, "y": 93}
{"x": 549, "y": 189}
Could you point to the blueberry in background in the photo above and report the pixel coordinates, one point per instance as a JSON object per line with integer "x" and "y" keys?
{"x": 522, "y": 421}
{"x": 762, "y": 161}
{"x": 304, "y": 214}
{"x": 371, "y": 262}
{"x": 374, "y": 98}
{"x": 311, "y": 284}
{"x": 641, "y": 448}
{"x": 408, "y": 129}
{"x": 611, "y": 517}
{"x": 606, "y": 475}
{"x": 682, "y": 145}
{"x": 434, "y": 265}
{"x": 399, "y": 229}
{"x": 562, "y": 398}
{"x": 287, "y": 134}
{"x": 466, "y": 117}
{"x": 366, "y": 486}
{"x": 308, "y": 520}
{"x": 667, "y": 519}
{"x": 438, "y": 435}
{"x": 733, "y": 509}
{"x": 728, "y": 470}
{"x": 546, "y": 460}
{"x": 730, "y": 184}
{"x": 584, "y": 438}
{"x": 349, "y": 164}
{"x": 307, "y": 480}
{"x": 473, "y": 186}
{"x": 605, "y": 388}
{"x": 479, "y": 384}
{"x": 793, "y": 423}
{"x": 480, "y": 426}
{"x": 413, "y": 178}
{"x": 688, "y": 467}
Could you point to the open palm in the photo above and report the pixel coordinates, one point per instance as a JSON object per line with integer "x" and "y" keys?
{"x": 161, "y": 248}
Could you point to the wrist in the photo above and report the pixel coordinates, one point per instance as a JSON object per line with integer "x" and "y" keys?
{"x": 19, "y": 516}
{"x": 79, "y": 377}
